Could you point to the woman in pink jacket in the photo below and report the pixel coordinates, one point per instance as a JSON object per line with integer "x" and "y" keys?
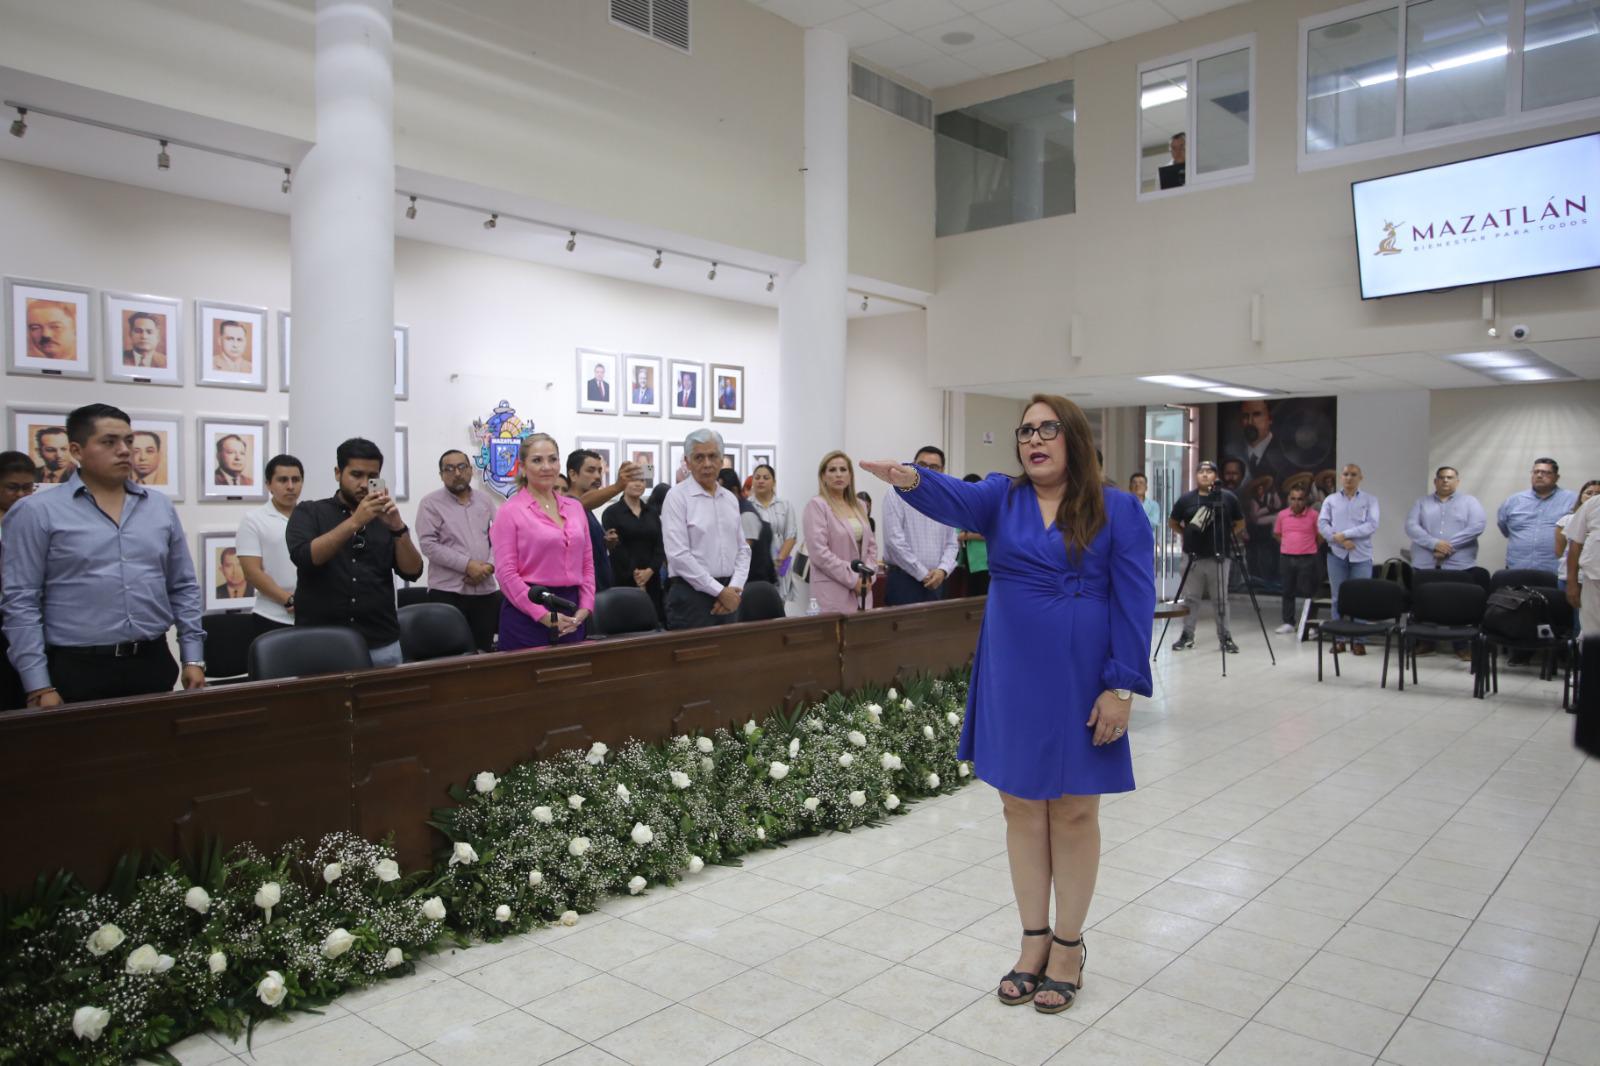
{"x": 541, "y": 537}
{"x": 837, "y": 533}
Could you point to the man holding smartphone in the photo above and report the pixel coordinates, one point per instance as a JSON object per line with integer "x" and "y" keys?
{"x": 346, "y": 550}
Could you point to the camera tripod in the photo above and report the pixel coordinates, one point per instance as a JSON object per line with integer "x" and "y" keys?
{"x": 1225, "y": 547}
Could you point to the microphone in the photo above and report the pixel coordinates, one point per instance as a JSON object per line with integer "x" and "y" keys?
{"x": 862, "y": 568}
{"x": 550, "y": 601}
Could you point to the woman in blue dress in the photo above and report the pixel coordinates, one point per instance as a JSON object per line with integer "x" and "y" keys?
{"x": 1064, "y": 645}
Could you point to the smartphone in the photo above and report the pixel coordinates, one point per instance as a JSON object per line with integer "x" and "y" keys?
{"x": 647, "y": 472}
{"x": 376, "y": 485}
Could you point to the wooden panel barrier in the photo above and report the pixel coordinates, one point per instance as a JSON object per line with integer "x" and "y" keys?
{"x": 375, "y": 752}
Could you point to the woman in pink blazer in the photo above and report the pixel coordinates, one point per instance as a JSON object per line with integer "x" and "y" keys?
{"x": 837, "y": 533}
{"x": 541, "y": 537}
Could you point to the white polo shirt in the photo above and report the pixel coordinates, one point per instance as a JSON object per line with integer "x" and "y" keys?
{"x": 263, "y": 533}
{"x": 1585, "y": 528}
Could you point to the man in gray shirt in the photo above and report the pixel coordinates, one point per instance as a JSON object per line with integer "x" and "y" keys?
{"x": 453, "y": 534}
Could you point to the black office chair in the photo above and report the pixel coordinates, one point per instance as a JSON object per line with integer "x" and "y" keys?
{"x": 301, "y": 651}
{"x": 621, "y": 611}
{"x": 1532, "y": 579}
{"x": 1381, "y": 603}
{"x": 1443, "y": 611}
{"x": 761, "y": 601}
{"x": 434, "y": 631}
{"x": 1477, "y": 575}
{"x": 1557, "y": 615}
{"x": 228, "y": 637}
{"x": 410, "y": 596}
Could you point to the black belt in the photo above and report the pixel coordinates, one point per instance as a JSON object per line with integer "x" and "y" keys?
{"x": 126, "y": 650}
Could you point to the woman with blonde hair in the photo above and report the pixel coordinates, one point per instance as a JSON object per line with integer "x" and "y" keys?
{"x": 837, "y": 534}
{"x": 1063, "y": 648}
{"x": 541, "y": 537}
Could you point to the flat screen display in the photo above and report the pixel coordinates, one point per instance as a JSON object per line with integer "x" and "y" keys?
{"x": 1515, "y": 214}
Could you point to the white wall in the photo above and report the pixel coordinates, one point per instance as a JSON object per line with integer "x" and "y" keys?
{"x": 889, "y": 410}
{"x": 1386, "y": 434}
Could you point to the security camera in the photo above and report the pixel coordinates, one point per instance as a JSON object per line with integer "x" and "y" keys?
{"x": 1520, "y": 333}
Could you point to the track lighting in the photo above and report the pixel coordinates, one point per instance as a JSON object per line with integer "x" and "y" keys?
{"x": 711, "y": 275}
{"x": 288, "y": 180}
{"x": 863, "y": 303}
{"x": 411, "y": 208}
{"x": 657, "y": 261}
{"x": 771, "y": 281}
{"x": 492, "y": 221}
{"x": 19, "y": 125}
{"x": 572, "y": 240}
{"x": 163, "y": 160}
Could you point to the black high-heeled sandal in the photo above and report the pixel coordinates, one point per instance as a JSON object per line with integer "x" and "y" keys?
{"x": 1027, "y": 983}
{"x": 1067, "y": 990}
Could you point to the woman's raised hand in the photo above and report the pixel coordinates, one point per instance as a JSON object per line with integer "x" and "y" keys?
{"x": 899, "y": 475}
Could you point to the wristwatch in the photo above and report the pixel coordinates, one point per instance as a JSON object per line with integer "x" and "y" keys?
{"x": 1122, "y": 693}
{"x": 201, "y": 663}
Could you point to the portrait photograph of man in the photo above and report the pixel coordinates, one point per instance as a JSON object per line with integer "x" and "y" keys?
{"x": 644, "y": 395}
{"x": 50, "y": 451}
{"x": 230, "y": 348}
{"x": 597, "y": 377}
{"x": 50, "y": 329}
{"x": 728, "y": 386}
{"x": 232, "y": 456}
{"x": 155, "y": 456}
{"x": 142, "y": 335}
{"x": 149, "y": 458}
{"x": 231, "y": 345}
{"x": 225, "y": 586}
{"x": 685, "y": 380}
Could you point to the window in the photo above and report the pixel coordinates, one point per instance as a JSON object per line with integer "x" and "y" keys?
{"x": 1008, "y": 160}
{"x": 1206, "y": 136}
{"x": 1472, "y": 68}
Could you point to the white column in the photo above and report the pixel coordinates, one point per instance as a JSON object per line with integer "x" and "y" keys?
{"x": 811, "y": 307}
{"x": 341, "y": 245}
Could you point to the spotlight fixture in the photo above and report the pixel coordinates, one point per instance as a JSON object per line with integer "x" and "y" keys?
{"x": 19, "y": 125}
{"x": 492, "y": 221}
{"x": 411, "y": 208}
{"x": 163, "y": 160}
{"x": 771, "y": 281}
{"x": 288, "y": 180}
{"x": 657, "y": 261}
{"x": 572, "y": 240}
{"x": 863, "y": 303}
{"x": 711, "y": 275}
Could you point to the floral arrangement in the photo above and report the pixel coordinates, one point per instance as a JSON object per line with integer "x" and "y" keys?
{"x": 167, "y": 950}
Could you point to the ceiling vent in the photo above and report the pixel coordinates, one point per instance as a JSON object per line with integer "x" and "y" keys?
{"x": 879, "y": 91}
{"x": 665, "y": 20}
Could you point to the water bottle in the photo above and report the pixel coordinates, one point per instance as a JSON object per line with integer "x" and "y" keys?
{"x": 813, "y": 608}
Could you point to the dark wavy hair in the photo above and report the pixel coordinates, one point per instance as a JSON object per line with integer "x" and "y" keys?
{"x": 1083, "y": 509}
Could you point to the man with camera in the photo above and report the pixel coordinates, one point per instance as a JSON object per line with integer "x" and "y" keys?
{"x": 1207, "y": 519}
{"x": 346, "y": 550}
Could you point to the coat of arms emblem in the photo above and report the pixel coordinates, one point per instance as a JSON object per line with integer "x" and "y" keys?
{"x": 499, "y": 439}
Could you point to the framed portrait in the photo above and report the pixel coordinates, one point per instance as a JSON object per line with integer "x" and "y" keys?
{"x": 727, "y": 393}
{"x": 283, "y": 435}
{"x": 158, "y": 451}
{"x": 398, "y": 469}
{"x": 644, "y": 385}
{"x": 607, "y": 447}
{"x": 222, "y": 575}
{"x": 733, "y": 458}
{"x": 143, "y": 338}
{"x": 646, "y": 453}
{"x": 677, "y": 463}
{"x": 230, "y": 343}
{"x": 283, "y": 351}
{"x": 597, "y": 382}
{"x": 231, "y": 456}
{"x": 50, "y": 329}
{"x": 402, "y": 362}
{"x": 41, "y": 432}
{"x": 686, "y": 380}
{"x": 760, "y": 455}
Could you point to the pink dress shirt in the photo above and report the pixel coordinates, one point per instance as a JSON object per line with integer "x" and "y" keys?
{"x": 530, "y": 549}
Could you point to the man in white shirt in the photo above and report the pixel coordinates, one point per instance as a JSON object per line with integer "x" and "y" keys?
{"x": 1583, "y": 566}
{"x": 920, "y": 552}
{"x": 263, "y": 549}
{"x": 707, "y": 554}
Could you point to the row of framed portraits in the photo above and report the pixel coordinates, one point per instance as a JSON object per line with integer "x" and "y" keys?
{"x": 741, "y": 458}
{"x": 52, "y": 329}
{"x": 230, "y": 457}
{"x": 694, "y": 391}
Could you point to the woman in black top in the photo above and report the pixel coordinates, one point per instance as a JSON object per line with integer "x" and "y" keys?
{"x": 637, "y": 559}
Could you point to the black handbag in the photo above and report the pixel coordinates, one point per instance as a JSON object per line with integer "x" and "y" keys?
{"x": 802, "y": 567}
{"x": 1515, "y": 612}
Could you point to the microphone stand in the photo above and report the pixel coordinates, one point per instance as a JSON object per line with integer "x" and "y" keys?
{"x": 865, "y": 571}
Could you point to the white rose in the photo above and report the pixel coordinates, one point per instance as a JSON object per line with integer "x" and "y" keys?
{"x": 679, "y": 779}
{"x": 89, "y": 1022}
{"x": 905, "y": 705}
{"x": 337, "y": 943}
{"x": 433, "y": 909}
{"x": 387, "y": 870}
{"x": 217, "y": 962}
{"x": 164, "y": 963}
{"x": 267, "y": 897}
{"x": 812, "y": 803}
{"x": 696, "y": 864}
{"x": 961, "y": 770}
{"x": 597, "y": 754}
{"x": 750, "y": 727}
{"x": 705, "y": 745}
{"x": 463, "y": 855}
{"x": 575, "y": 801}
{"x": 846, "y": 759}
{"x": 543, "y": 816}
{"x": 485, "y": 782}
{"x": 271, "y": 989}
{"x": 197, "y": 899}
{"x": 778, "y": 771}
{"x": 577, "y": 846}
{"x": 874, "y": 709}
{"x": 890, "y": 761}
{"x": 857, "y": 798}
{"x": 794, "y": 747}
{"x": 143, "y": 959}
{"x": 502, "y": 913}
{"x": 636, "y": 885}
{"x": 953, "y": 718}
{"x": 933, "y": 780}
{"x": 332, "y": 872}
{"x": 706, "y": 764}
{"x": 681, "y": 740}
{"x": 891, "y": 801}
{"x": 856, "y": 739}
{"x": 642, "y": 834}
{"x": 393, "y": 957}
{"x": 104, "y": 939}
{"x": 623, "y": 794}
{"x": 761, "y": 834}
{"x": 535, "y": 878}
{"x": 893, "y": 695}
{"x": 569, "y": 918}
{"x": 927, "y": 731}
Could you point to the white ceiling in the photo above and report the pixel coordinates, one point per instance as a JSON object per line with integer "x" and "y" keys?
{"x": 935, "y": 43}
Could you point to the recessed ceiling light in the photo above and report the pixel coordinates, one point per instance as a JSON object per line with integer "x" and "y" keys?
{"x": 1237, "y": 392}
{"x": 1180, "y": 381}
{"x": 958, "y": 37}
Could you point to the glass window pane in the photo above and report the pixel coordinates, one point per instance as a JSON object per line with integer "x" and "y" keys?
{"x": 1352, "y": 68}
{"x": 1222, "y": 112}
{"x": 1163, "y": 113}
{"x": 1008, "y": 160}
{"x": 1455, "y": 62}
{"x": 1561, "y": 56}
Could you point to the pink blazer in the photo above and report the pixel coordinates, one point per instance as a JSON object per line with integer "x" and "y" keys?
{"x": 831, "y": 548}
{"x": 529, "y": 549}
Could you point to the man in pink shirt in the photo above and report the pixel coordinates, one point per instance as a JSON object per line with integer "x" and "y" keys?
{"x": 1295, "y": 530}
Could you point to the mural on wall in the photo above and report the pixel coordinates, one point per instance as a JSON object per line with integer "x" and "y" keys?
{"x": 1268, "y": 448}
{"x": 498, "y": 440}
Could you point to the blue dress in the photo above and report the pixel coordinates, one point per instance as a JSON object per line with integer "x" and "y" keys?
{"x": 1055, "y": 635}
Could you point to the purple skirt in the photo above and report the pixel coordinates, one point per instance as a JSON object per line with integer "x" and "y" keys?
{"x": 518, "y": 631}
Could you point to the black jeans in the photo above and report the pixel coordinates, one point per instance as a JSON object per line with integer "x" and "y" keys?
{"x": 482, "y": 611}
{"x": 78, "y": 677}
{"x": 689, "y": 608}
{"x": 1299, "y": 576}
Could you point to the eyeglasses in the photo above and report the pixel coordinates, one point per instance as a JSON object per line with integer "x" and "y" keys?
{"x": 455, "y": 468}
{"x": 1046, "y": 430}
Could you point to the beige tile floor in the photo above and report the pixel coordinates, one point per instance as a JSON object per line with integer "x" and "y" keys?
{"x": 1310, "y": 874}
